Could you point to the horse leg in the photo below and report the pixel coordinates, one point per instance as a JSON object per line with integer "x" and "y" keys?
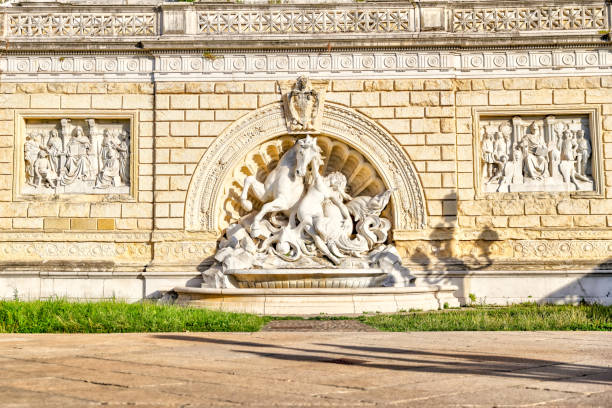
{"x": 258, "y": 189}
{"x": 275, "y": 205}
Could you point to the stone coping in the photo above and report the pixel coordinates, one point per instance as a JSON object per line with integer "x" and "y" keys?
{"x": 317, "y": 291}
{"x": 141, "y": 26}
{"x": 306, "y": 271}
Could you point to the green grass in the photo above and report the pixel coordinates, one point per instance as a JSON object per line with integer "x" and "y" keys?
{"x": 524, "y": 317}
{"x": 60, "y": 316}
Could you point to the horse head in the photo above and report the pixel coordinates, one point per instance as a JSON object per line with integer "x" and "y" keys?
{"x": 307, "y": 151}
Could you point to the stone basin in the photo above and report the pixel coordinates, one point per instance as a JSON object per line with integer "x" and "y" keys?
{"x": 307, "y": 278}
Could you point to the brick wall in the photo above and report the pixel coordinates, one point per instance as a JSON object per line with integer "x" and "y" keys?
{"x": 432, "y": 120}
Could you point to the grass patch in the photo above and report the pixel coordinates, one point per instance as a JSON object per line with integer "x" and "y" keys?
{"x": 61, "y": 316}
{"x": 523, "y": 317}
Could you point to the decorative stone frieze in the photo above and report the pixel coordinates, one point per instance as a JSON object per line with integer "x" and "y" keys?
{"x": 75, "y": 155}
{"x": 270, "y": 21}
{"x": 540, "y": 18}
{"x": 285, "y": 65}
{"x": 69, "y": 24}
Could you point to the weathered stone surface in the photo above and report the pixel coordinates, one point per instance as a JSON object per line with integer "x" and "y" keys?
{"x": 357, "y": 369}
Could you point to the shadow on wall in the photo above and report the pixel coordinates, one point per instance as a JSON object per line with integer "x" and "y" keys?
{"x": 444, "y": 264}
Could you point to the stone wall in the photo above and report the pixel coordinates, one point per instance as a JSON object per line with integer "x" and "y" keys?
{"x": 132, "y": 245}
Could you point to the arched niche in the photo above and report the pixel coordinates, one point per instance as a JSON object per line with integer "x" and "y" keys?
{"x": 216, "y": 177}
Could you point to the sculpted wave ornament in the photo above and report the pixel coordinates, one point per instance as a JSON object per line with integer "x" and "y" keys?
{"x": 308, "y": 222}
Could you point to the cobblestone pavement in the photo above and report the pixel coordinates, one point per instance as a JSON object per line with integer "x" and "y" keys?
{"x": 308, "y": 369}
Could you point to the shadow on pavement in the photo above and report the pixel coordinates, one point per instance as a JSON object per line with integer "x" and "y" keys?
{"x": 417, "y": 360}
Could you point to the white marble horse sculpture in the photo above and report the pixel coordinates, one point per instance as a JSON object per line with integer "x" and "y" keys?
{"x": 284, "y": 185}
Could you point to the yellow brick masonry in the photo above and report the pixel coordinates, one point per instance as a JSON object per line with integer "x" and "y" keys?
{"x": 431, "y": 119}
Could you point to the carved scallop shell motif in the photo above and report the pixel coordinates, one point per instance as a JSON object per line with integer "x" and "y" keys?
{"x": 362, "y": 178}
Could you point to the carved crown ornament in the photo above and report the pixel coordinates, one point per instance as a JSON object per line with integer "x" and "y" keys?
{"x": 303, "y": 102}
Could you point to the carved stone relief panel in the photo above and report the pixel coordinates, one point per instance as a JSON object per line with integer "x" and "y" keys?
{"x": 536, "y": 153}
{"x": 76, "y": 156}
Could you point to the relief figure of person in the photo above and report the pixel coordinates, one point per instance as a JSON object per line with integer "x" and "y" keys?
{"x": 487, "y": 156}
{"x": 568, "y": 155}
{"x": 500, "y": 153}
{"x": 55, "y": 149}
{"x": 109, "y": 157}
{"x": 583, "y": 153}
{"x": 554, "y": 156}
{"x": 535, "y": 149}
{"x": 124, "y": 157}
{"x": 31, "y": 148}
{"x": 44, "y": 171}
{"x": 78, "y": 166}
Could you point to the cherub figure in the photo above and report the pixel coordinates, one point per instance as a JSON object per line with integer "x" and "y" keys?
{"x": 44, "y": 170}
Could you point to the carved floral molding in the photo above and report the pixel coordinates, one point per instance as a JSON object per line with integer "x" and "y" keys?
{"x": 306, "y": 21}
{"x": 81, "y": 24}
{"x": 544, "y": 18}
{"x": 339, "y": 20}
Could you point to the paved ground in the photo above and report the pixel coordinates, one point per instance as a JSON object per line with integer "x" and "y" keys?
{"x": 327, "y": 369}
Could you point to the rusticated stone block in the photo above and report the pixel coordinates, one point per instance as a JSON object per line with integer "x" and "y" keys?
{"x": 566, "y": 96}
{"x": 378, "y": 85}
{"x": 91, "y": 87}
{"x": 557, "y": 220}
{"x": 551, "y": 83}
{"x": 524, "y": 221}
{"x": 28, "y": 223}
{"x": 74, "y": 210}
{"x": 601, "y": 206}
{"x": 11, "y": 209}
{"x": 229, "y": 87}
{"x": 57, "y": 223}
{"x": 537, "y": 97}
{"x": 170, "y": 87}
{"x": 585, "y": 82}
{"x": 243, "y": 101}
{"x": 43, "y": 209}
{"x": 260, "y": 87}
{"x": 478, "y": 207}
{"x": 347, "y": 85}
{"x": 504, "y": 97}
{"x": 438, "y": 84}
{"x": 83, "y": 224}
{"x": 425, "y": 98}
{"x": 184, "y": 101}
{"x": 590, "y": 220}
{"x": 106, "y": 224}
{"x": 508, "y": 207}
{"x": 105, "y": 210}
{"x": 200, "y": 87}
{"x": 540, "y": 206}
{"x": 573, "y": 206}
{"x": 519, "y": 83}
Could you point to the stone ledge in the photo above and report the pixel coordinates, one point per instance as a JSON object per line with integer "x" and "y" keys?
{"x": 317, "y": 301}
